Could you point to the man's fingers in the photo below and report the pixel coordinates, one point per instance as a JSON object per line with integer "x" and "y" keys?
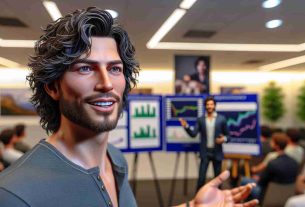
{"x": 219, "y": 179}
{"x": 251, "y": 203}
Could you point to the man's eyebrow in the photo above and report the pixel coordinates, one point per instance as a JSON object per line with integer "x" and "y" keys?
{"x": 94, "y": 62}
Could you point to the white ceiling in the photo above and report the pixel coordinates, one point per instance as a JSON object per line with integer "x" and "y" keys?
{"x": 235, "y": 21}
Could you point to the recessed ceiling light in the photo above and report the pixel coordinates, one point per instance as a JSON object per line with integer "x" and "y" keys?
{"x": 274, "y": 23}
{"x": 271, "y": 3}
{"x": 113, "y": 13}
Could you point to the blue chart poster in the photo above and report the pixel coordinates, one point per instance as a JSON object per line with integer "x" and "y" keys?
{"x": 175, "y": 107}
{"x": 140, "y": 128}
{"x": 241, "y": 112}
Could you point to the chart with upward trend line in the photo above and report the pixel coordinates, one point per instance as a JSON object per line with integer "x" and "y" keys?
{"x": 242, "y": 124}
{"x": 241, "y": 112}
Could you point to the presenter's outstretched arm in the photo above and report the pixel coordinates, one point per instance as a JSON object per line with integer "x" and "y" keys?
{"x": 192, "y": 132}
{"x": 210, "y": 196}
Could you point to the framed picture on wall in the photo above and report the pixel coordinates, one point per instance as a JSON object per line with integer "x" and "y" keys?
{"x": 192, "y": 74}
{"x": 15, "y": 102}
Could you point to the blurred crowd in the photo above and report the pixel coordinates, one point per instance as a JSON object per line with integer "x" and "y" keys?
{"x": 12, "y": 146}
{"x": 281, "y": 164}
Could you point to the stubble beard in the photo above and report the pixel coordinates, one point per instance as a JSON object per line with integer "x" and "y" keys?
{"x": 79, "y": 116}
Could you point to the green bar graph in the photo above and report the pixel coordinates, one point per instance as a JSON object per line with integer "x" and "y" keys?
{"x": 144, "y": 112}
{"x": 145, "y": 133}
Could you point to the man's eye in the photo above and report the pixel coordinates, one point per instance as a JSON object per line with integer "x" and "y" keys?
{"x": 116, "y": 69}
{"x": 85, "y": 69}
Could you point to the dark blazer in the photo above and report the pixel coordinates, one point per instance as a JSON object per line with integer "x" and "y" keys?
{"x": 220, "y": 128}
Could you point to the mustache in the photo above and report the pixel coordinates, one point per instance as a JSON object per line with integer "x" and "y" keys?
{"x": 103, "y": 95}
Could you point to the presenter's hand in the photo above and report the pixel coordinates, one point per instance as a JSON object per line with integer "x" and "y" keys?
{"x": 220, "y": 139}
{"x": 183, "y": 122}
{"x": 210, "y": 196}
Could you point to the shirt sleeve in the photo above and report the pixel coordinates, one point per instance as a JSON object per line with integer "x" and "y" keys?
{"x": 9, "y": 199}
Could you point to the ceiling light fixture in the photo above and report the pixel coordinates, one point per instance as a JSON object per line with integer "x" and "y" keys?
{"x": 113, "y": 13}
{"x": 274, "y": 23}
{"x": 17, "y": 43}
{"x": 8, "y": 63}
{"x": 271, "y": 3}
{"x": 283, "y": 63}
{"x": 229, "y": 47}
{"x": 186, "y": 4}
{"x": 52, "y": 9}
{"x": 166, "y": 27}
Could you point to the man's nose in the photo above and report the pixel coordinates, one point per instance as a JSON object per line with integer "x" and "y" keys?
{"x": 104, "y": 83}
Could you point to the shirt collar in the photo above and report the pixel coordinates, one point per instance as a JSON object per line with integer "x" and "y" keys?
{"x": 214, "y": 114}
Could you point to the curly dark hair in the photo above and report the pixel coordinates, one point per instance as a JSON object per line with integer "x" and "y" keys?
{"x": 209, "y": 98}
{"x": 63, "y": 42}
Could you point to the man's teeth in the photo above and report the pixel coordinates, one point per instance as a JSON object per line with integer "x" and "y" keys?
{"x": 103, "y": 104}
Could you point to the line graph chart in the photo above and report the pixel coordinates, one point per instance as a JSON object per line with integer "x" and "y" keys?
{"x": 183, "y": 108}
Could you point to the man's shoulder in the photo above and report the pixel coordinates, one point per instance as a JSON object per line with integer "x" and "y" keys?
{"x": 284, "y": 159}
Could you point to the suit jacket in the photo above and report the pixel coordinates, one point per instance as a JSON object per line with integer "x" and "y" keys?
{"x": 220, "y": 128}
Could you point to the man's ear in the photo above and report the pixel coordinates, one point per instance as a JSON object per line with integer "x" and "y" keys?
{"x": 52, "y": 90}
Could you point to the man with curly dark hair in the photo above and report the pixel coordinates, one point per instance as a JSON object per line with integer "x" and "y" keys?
{"x": 81, "y": 73}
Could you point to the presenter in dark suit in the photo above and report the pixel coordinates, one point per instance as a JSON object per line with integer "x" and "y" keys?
{"x": 213, "y": 133}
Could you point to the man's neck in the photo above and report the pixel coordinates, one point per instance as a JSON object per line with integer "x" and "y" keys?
{"x": 81, "y": 146}
{"x": 210, "y": 114}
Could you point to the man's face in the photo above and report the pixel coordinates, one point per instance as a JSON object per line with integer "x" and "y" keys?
{"x": 91, "y": 90}
{"x": 201, "y": 67}
{"x": 210, "y": 106}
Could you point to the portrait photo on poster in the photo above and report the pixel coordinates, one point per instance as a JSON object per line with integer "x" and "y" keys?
{"x": 192, "y": 74}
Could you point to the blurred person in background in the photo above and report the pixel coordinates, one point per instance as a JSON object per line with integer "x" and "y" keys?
{"x": 20, "y": 133}
{"x": 298, "y": 200}
{"x": 293, "y": 149}
{"x": 213, "y": 131}
{"x": 282, "y": 169}
{"x": 9, "y": 139}
{"x": 265, "y": 140}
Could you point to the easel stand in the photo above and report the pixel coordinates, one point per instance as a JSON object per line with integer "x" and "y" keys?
{"x": 235, "y": 162}
{"x": 154, "y": 172}
{"x": 185, "y": 180}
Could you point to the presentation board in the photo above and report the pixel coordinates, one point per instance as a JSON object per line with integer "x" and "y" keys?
{"x": 175, "y": 107}
{"x": 140, "y": 127}
{"x": 242, "y": 113}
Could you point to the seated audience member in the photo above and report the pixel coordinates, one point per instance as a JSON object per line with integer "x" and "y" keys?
{"x": 8, "y": 138}
{"x": 299, "y": 200}
{"x": 283, "y": 169}
{"x": 265, "y": 140}
{"x": 293, "y": 149}
{"x": 20, "y": 133}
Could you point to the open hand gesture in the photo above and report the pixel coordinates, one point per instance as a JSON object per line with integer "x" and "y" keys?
{"x": 210, "y": 196}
